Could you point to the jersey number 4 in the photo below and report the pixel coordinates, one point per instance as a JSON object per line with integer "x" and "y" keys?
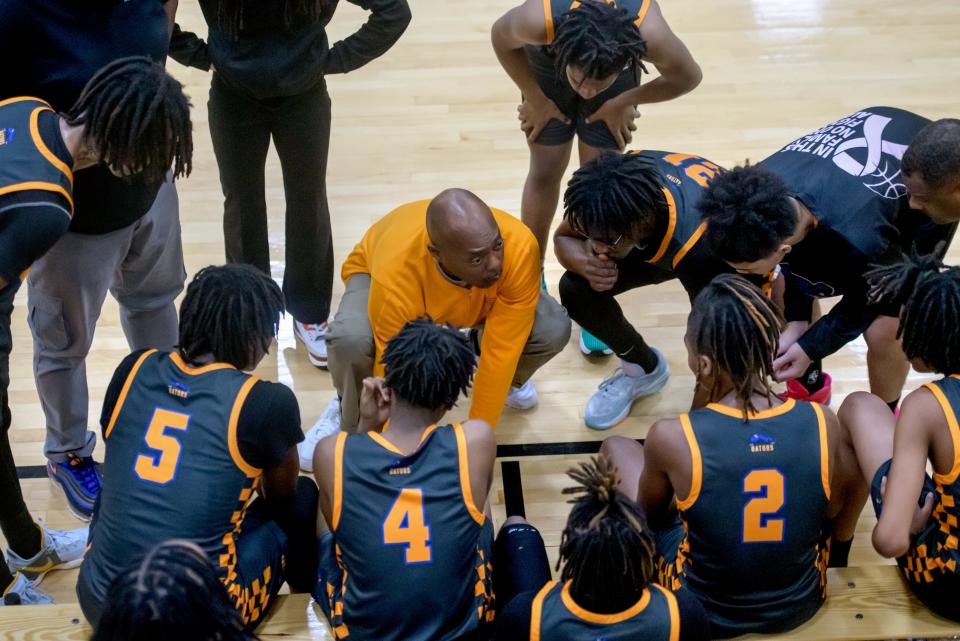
{"x": 160, "y": 466}
{"x": 768, "y": 494}
{"x": 406, "y": 525}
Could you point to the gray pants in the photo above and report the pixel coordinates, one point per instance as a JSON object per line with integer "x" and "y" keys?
{"x": 141, "y": 265}
{"x": 351, "y": 349}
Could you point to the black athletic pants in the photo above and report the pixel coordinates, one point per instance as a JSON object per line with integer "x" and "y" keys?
{"x": 241, "y": 128}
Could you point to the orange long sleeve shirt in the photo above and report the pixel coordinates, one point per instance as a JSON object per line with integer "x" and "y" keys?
{"x": 407, "y": 284}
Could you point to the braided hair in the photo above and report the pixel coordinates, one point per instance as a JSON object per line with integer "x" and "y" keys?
{"x": 929, "y": 297}
{"x": 615, "y": 194}
{"x": 174, "y": 593}
{"x": 136, "y": 117}
{"x": 606, "y": 550}
{"x": 734, "y": 324}
{"x": 600, "y": 39}
{"x": 230, "y": 311}
{"x": 429, "y": 364}
{"x": 296, "y": 14}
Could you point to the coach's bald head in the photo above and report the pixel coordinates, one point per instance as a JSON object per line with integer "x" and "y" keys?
{"x": 465, "y": 238}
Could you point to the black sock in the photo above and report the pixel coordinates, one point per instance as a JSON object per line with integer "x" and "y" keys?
{"x": 839, "y": 553}
{"x": 6, "y": 578}
{"x": 893, "y": 404}
{"x": 22, "y": 534}
{"x": 641, "y": 355}
{"x": 812, "y": 379}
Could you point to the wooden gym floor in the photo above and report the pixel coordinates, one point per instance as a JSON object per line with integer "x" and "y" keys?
{"x": 437, "y": 111}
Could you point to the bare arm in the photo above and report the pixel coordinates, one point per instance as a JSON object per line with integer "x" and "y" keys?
{"x": 481, "y": 454}
{"x": 170, "y": 6}
{"x": 518, "y": 27}
{"x": 280, "y": 486}
{"x": 574, "y": 253}
{"x": 657, "y": 492}
{"x": 323, "y": 470}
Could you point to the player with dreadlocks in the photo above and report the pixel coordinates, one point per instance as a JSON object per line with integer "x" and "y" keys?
{"x": 630, "y": 220}
{"x": 173, "y": 593}
{"x": 190, "y": 436}
{"x": 916, "y": 514}
{"x": 826, "y": 208}
{"x": 578, "y": 67}
{"x": 607, "y": 571}
{"x": 713, "y": 483}
{"x": 405, "y": 543}
{"x": 131, "y": 116}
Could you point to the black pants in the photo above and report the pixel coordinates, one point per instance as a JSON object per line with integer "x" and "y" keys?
{"x": 15, "y": 519}
{"x": 519, "y": 561}
{"x": 241, "y": 128}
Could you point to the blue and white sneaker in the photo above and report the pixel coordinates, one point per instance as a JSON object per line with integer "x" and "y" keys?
{"x": 80, "y": 480}
{"x": 611, "y": 403}
{"x": 59, "y": 550}
{"x": 22, "y": 592}
{"x": 523, "y": 397}
{"x": 590, "y": 345}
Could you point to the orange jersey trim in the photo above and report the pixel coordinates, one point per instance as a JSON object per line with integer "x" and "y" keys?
{"x": 671, "y": 225}
{"x": 548, "y": 20}
{"x": 246, "y": 468}
{"x": 642, "y": 12}
{"x": 465, "y": 485}
{"x": 603, "y": 619}
{"x": 10, "y": 101}
{"x": 824, "y": 449}
{"x": 40, "y": 186}
{"x": 687, "y": 246}
{"x": 733, "y": 412}
{"x": 674, "y": 612}
{"x": 536, "y": 612}
{"x": 196, "y": 371}
{"x": 124, "y": 391}
{"x": 338, "y": 480}
{"x": 951, "y": 416}
{"x": 696, "y": 469}
{"x": 42, "y": 147}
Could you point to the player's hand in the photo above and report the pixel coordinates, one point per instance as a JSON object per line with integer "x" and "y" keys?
{"x": 619, "y": 119}
{"x": 599, "y": 270}
{"x": 792, "y": 364}
{"x": 921, "y": 514}
{"x": 374, "y": 402}
{"x": 790, "y": 335}
{"x": 535, "y": 112}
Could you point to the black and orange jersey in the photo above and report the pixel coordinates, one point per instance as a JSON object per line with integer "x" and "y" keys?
{"x": 938, "y": 554}
{"x": 26, "y": 162}
{"x": 412, "y": 550}
{"x": 555, "y": 615}
{"x": 555, "y": 10}
{"x": 172, "y": 469}
{"x": 752, "y": 521}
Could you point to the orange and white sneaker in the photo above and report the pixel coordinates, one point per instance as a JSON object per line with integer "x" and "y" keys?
{"x": 314, "y": 338}
{"x": 798, "y": 392}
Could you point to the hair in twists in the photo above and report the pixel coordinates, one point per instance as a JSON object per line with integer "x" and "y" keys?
{"x": 738, "y": 327}
{"x": 606, "y": 550}
{"x": 600, "y": 39}
{"x": 429, "y": 364}
{"x": 230, "y": 311}
{"x": 137, "y": 118}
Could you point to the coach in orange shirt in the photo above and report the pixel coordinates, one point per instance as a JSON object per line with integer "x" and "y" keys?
{"x": 461, "y": 262}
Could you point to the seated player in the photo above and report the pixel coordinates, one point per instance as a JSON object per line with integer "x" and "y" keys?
{"x": 407, "y": 552}
{"x": 190, "y": 437}
{"x": 606, "y": 588}
{"x": 740, "y": 491}
{"x": 917, "y": 515}
{"x": 461, "y": 262}
{"x": 827, "y": 207}
{"x": 578, "y": 66}
{"x": 630, "y": 220}
{"x": 39, "y": 150}
{"x": 173, "y": 593}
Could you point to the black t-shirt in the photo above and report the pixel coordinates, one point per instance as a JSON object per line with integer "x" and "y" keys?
{"x": 848, "y": 175}
{"x": 32, "y": 221}
{"x": 513, "y": 622}
{"x": 268, "y": 426}
{"x": 50, "y": 49}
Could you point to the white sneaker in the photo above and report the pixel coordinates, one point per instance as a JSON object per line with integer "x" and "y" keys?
{"x": 314, "y": 338}
{"x": 22, "y": 592}
{"x": 327, "y": 424}
{"x": 611, "y": 403}
{"x": 59, "y": 550}
{"x": 523, "y": 397}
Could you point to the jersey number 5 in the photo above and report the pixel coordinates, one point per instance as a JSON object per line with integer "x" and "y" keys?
{"x": 161, "y": 467}
{"x": 767, "y": 492}
{"x": 406, "y": 525}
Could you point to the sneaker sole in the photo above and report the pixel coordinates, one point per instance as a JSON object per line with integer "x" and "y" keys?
{"x": 622, "y": 416}
{"x": 69, "y": 565}
{"x": 86, "y": 518}
{"x": 316, "y": 361}
{"x": 521, "y": 408}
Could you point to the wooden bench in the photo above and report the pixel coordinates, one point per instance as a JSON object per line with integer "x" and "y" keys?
{"x": 864, "y": 603}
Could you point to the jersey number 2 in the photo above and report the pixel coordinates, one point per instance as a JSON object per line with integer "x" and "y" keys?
{"x": 161, "y": 467}
{"x": 767, "y": 492}
{"x": 701, "y": 172}
{"x": 406, "y": 525}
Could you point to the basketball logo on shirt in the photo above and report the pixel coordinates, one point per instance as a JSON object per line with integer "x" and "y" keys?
{"x": 6, "y": 135}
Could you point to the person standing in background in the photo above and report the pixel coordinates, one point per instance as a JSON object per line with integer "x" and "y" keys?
{"x": 269, "y": 59}
{"x": 125, "y": 233}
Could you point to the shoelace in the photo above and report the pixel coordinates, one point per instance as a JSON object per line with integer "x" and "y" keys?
{"x": 85, "y": 472}
{"x": 613, "y": 379}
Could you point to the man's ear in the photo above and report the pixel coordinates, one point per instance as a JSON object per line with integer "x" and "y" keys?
{"x": 784, "y": 249}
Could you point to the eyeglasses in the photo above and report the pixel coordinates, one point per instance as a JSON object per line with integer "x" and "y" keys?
{"x": 612, "y": 244}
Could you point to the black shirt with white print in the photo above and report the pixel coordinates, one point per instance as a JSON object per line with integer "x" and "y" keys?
{"x": 848, "y": 175}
